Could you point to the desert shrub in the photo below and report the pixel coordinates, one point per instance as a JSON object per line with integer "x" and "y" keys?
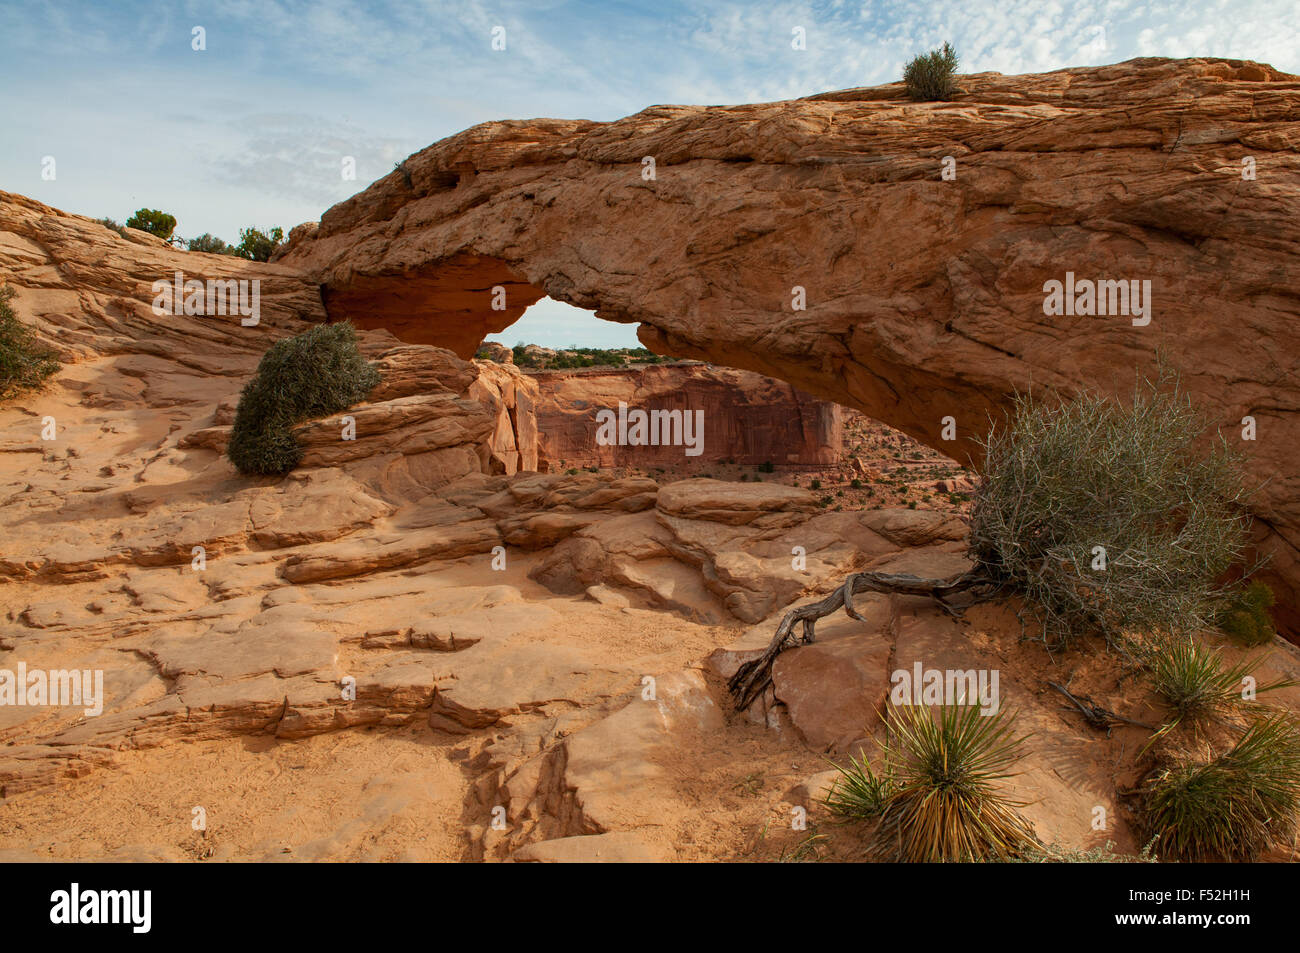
{"x": 315, "y": 374}
{"x": 1244, "y": 617}
{"x": 112, "y": 225}
{"x": 24, "y": 362}
{"x": 858, "y": 793}
{"x": 929, "y": 77}
{"x": 815, "y": 484}
{"x": 1194, "y": 681}
{"x": 766, "y": 467}
{"x": 1233, "y": 807}
{"x": 211, "y": 244}
{"x": 153, "y": 221}
{"x": 1064, "y": 477}
{"x": 257, "y": 245}
{"x": 855, "y": 483}
{"x": 943, "y": 802}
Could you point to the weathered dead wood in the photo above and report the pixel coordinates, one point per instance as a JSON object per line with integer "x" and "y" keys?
{"x": 755, "y": 675}
{"x": 1095, "y": 714}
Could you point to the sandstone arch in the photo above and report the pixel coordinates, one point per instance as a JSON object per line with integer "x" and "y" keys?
{"x": 924, "y": 296}
{"x": 458, "y": 290}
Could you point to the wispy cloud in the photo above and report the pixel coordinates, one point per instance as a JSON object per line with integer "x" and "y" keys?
{"x": 253, "y": 129}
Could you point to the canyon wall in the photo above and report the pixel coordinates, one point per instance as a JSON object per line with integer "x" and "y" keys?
{"x": 746, "y": 418}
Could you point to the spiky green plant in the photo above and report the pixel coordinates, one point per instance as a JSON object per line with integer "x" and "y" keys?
{"x": 1195, "y": 682}
{"x": 24, "y": 362}
{"x": 858, "y": 793}
{"x": 930, "y": 76}
{"x": 315, "y": 374}
{"x": 1244, "y": 615}
{"x": 1233, "y": 807}
{"x": 945, "y": 804}
{"x": 1063, "y": 478}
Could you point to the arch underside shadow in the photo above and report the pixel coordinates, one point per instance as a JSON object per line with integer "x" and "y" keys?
{"x": 449, "y": 305}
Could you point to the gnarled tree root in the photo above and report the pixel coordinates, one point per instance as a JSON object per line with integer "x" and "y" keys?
{"x": 755, "y": 675}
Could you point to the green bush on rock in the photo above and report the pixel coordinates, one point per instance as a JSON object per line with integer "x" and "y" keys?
{"x": 314, "y": 374}
{"x": 930, "y": 76}
{"x": 24, "y": 363}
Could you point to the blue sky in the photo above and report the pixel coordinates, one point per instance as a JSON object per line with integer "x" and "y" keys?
{"x": 251, "y": 130}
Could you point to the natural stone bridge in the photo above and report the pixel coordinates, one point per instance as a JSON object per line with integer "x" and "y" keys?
{"x": 924, "y": 293}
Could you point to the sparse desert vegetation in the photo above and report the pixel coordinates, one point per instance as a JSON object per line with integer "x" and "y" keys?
{"x": 1111, "y": 516}
{"x": 931, "y": 77}
{"x": 1058, "y": 480}
{"x": 937, "y": 798}
{"x": 25, "y": 364}
{"x": 1234, "y": 806}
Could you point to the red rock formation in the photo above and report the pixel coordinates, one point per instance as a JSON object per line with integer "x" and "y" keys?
{"x": 924, "y": 295}
{"x": 513, "y": 395}
{"x": 748, "y": 418}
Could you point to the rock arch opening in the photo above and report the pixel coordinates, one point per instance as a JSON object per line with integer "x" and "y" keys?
{"x": 455, "y": 304}
{"x": 561, "y": 327}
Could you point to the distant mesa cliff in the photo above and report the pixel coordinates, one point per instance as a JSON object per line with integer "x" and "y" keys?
{"x": 747, "y": 418}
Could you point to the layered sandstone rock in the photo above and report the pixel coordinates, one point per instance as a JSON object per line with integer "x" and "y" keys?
{"x": 747, "y": 418}
{"x": 87, "y": 291}
{"x": 514, "y": 443}
{"x": 498, "y": 352}
{"x": 924, "y": 296}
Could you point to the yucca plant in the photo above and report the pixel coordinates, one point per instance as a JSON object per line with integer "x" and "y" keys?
{"x": 1194, "y": 681}
{"x": 1233, "y": 807}
{"x": 858, "y": 793}
{"x": 929, "y": 77}
{"x": 944, "y": 804}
